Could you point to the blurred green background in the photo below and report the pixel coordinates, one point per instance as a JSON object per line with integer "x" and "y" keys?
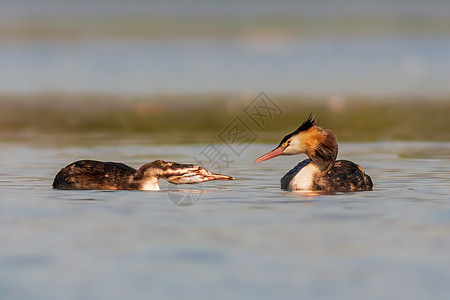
{"x": 180, "y": 71}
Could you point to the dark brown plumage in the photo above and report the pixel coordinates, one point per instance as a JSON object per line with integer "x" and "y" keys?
{"x": 343, "y": 175}
{"x": 95, "y": 175}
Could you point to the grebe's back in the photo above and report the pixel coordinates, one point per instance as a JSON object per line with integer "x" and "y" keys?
{"x": 94, "y": 175}
{"x": 343, "y": 176}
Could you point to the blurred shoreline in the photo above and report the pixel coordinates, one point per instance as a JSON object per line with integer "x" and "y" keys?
{"x": 198, "y": 26}
{"x": 65, "y": 119}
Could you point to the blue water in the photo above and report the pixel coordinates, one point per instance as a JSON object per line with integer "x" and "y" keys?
{"x": 245, "y": 239}
{"x": 415, "y": 66}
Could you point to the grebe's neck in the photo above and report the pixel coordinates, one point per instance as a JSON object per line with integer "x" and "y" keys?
{"x": 148, "y": 175}
{"x": 322, "y": 149}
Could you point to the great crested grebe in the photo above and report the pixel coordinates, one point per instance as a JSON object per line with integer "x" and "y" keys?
{"x": 98, "y": 175}
{"x": 321, "y": 172}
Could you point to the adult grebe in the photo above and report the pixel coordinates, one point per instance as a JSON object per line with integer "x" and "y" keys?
{"x": 98, "y": 175}
{"x": 321, "y": 172}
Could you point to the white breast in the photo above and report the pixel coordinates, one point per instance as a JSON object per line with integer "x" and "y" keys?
{"x": 151, "y": 185}
{"x": 303, "y": 180}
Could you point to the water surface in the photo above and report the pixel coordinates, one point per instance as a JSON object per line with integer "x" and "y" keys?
{"x": 371, "y": 65}
{"x": 243, "y": 239}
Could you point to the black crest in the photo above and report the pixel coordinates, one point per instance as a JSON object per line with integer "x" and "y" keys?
{"x": 310, "y": 122}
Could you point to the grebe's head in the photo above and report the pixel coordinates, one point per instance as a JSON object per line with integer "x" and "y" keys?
{"x": 182, "y": 173}
{"x": 193, "y": 174}
{"x": 307, "y": 139}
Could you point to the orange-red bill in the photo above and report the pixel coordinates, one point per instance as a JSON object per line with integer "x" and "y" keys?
{"x": 271, "y": 154}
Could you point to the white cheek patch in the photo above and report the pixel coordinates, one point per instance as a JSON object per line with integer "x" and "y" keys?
{"x": 295, "y": 147}
{"x": 192, "y": 178}
{"x": 186, "y": 178}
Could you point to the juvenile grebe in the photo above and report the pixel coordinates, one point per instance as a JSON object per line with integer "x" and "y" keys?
{"x": 321, "y": 172}
{"x": 98, "y": 175}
